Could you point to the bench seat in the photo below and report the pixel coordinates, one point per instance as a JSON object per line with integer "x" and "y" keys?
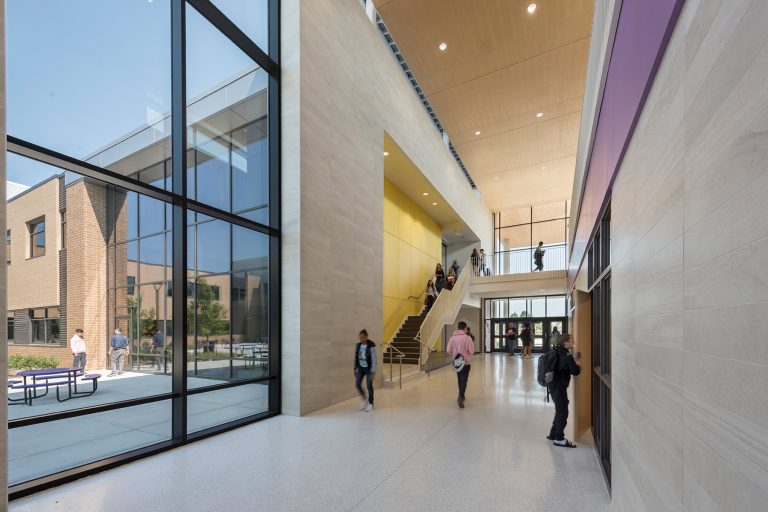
{"x": 91, "y": 376}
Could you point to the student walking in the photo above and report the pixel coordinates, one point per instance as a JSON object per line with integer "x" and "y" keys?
{"x": 511, "y": 337}
{"x": 118, "y": 350}
{"x": 527, "y": 338}
{"x": 451, "y": 278}
{"x": 77, "y": 346}
{"x": 483, "y": 270}
{"x": 538, "y": 257}
{"x": 431, "y": 295}
{"x": 564, "y": 365}
{"x": 365, "y": 366}
{"x": 461, "y": 347}
{"x": 439, "y": 278}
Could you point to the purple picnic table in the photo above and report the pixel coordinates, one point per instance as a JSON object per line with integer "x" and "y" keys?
{"x": 47, "y": 374}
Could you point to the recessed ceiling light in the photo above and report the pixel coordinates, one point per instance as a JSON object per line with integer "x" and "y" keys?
{"x": 495, "y": 178}
{"x": 540, "y": 114}
{"x": 543, "y": 167}
{"x": 386, "y": 153}
{"x": 477, "y": 132}
{"x": 434, "y": 204}
{"x": 443, "y": 46}
{"x": 425, "y": 193}
{"x": 531, "y": 8}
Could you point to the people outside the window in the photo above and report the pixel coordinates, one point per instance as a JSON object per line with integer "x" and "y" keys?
{"x": 365, "y": 366}
{"x": 538, "y": 257}
{"x": 526, "y": 337}
{"x": 431, "y": 293}
{"x": 456, "y": 268}
{"x": 451, "y": 280}
{"x": 158, "y": 346}
{"x": 511, "y": 337}
{"x": 118, "y": 350}
{"x": 475, "y": 262}
{"x": 439, "y": 278}
{"x": 77, "y": 346}
{"x": 461, "y": 344}
{"x": 483, "y": 270}
{"x": 565, "y": 365}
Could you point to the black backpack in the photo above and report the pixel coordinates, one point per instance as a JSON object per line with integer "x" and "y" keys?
{"x": 546, "y": 370}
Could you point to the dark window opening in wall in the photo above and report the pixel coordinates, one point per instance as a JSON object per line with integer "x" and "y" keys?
{"x": 11, "y": 335}
{"x": 36, "y": 237}
{"x": 600, "y": 282}
{"x": 204, "y": 350}
{"x": 8, "y": 246}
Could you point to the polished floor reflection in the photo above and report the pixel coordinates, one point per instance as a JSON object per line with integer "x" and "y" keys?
{"x": 417, "y": 451}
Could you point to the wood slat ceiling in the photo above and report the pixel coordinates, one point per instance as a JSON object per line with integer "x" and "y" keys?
{"x": 502, "y": 66}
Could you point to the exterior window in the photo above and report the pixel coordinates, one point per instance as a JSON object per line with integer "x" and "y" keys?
{"x": 45, "y": 325}
{"x": 8, "y": 246}
{"x": 10, "y": 326}
{"x": 36, "y": 237}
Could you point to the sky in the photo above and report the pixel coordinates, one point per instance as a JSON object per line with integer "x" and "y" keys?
{"x": 84, "y": 73}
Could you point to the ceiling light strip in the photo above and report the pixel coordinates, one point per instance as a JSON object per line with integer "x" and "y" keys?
{"x": 389, "y": 40}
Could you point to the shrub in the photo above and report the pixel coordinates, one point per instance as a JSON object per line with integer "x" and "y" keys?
{"x": 22, "y": 362}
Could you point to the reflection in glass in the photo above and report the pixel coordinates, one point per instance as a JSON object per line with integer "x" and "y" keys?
{"x": 45, "y": 448}
{"x": 212, "y": 245}
{"x": 213, "y": 408}
{"x": 252, "y": 17}
{"x": 152, "y": 215}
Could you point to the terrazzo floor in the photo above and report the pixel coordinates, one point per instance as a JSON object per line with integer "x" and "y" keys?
{"x": 415, "y": 452}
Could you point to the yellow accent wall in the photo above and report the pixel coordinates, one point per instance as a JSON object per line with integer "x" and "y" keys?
{"x": 412, "y": 248}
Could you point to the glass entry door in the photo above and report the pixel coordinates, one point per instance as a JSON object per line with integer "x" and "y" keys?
{"x": 541, "y": 331}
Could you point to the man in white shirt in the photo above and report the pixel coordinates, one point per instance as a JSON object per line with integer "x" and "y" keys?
{"x": 77, "y": 345}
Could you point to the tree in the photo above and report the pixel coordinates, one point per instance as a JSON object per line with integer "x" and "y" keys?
{"x": 209, "y": 314}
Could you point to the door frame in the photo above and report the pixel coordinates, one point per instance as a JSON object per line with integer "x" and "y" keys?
{"x": 545, "y": 336}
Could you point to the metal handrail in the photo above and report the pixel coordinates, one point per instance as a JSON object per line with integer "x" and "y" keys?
{"x": 396, "y": 314}
{"x": 400, "y": 355}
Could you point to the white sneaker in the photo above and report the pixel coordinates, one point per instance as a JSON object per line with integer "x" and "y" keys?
{"x": 369, "y": 408}
{"x": 363, "y": 404}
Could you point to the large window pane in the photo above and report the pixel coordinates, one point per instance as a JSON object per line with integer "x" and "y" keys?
{"x": 45, "y": 448}
{"x": 227, "y": 115}
{"x": 84, "y": 81}
{"x": 205, "y": 410}
{"x": 250, "y": 249}
{"x": 212, "y": 344}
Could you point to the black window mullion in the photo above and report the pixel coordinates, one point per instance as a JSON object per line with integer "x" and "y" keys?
{"x": 179, "y": 173}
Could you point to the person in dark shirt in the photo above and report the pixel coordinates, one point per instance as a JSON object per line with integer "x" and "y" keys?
{"x": 538, "y": 257}
{"x": 158, "y": 342}
{"x": 565, "y": 365}
{"x": 439, "y": 278}
{"x": 118, "y": 351}
{"x": 511, "y": 337}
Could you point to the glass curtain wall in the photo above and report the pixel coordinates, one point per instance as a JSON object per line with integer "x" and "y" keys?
{"x": 517, "y": 234}
{"x": 142, "y": 199}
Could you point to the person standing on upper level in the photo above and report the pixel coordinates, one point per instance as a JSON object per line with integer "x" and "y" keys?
{"x": 475, "y": 262}
{"x": 461, "y": 347}
{"x": 538, "y": 257}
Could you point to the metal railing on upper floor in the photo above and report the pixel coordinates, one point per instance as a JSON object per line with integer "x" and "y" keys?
{"x": 521, "y": 261}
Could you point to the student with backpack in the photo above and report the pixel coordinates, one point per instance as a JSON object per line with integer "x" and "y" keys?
{"x": 365, "y": 366}
{"x": 555, "y": 370}
{"x": 461, "y": 347}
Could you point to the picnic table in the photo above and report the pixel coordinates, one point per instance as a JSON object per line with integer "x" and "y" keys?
{"x": 255, "y": 352}
{"x": 44, "y": 379}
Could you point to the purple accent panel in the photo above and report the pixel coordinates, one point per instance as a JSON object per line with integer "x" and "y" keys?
{"x": 642, "y": 34}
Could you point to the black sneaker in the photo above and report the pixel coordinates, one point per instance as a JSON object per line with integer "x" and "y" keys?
{"x": 460, "y": 401}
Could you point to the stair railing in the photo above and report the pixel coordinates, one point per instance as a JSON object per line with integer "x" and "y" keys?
{"x": 398, "y": 314}
{"x": 393, "y": 352}
{"x": 443, "y": 312}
